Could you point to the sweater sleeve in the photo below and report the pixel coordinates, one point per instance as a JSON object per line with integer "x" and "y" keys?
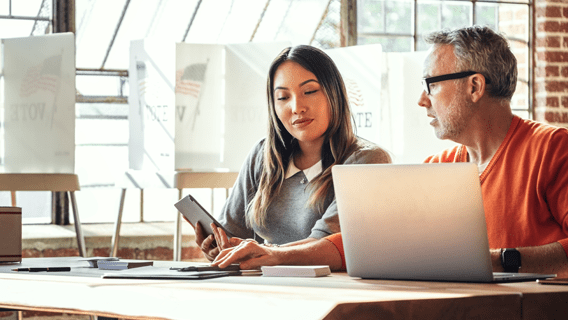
{"x": 557, "y": 188}
{"x": 337, "y": 240}
{"x": 329, "y": 222}
{"x": 233, "y": 216}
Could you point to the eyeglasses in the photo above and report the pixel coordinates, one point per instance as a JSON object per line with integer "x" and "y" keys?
{"x": 452, "y": 76}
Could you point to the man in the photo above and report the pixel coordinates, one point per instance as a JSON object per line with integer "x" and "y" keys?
{"x": 470, "y": 75}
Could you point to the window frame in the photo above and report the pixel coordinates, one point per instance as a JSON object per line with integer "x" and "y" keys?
{"x": 416, "y": 37}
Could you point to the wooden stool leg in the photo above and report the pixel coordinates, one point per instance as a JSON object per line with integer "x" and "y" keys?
{"x": 116, "y": 235}
{"x": 78, "y": 228}
{"x": 177, "y": 234}
{"x": 13, "y": 193}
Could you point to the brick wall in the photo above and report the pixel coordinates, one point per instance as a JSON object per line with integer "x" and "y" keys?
{"x": 551, "y": 62}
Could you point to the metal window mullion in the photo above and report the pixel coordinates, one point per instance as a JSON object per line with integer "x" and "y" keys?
{"x": 415, "y": 27}
{"x": 115, "y": 32}
{"x": 317, "y": 28}
{"x": 262, "y": 17}
{"x": 11, "y": 17}
{"x": 191, "y": 20}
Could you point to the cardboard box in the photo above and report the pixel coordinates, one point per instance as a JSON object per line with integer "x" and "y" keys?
{"x": 10, "y": 234}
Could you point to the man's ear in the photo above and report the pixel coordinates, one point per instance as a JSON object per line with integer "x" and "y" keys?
{"x": 477, "y": 85}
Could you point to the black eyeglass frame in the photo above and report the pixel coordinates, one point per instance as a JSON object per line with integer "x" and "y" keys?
{"x": 451, "y": 76}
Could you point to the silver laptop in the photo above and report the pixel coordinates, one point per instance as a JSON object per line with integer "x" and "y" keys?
{"x": 415, "y": 222}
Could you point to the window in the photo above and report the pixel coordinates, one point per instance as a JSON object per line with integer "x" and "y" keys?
{"x": 104, "y": 30}
{"x": 400, "y": 24}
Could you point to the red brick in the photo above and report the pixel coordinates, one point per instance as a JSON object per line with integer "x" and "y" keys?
{"x": 565, "y": 12}
{"x": 552, "y": 42}
{"x": 556, "y": 86}
{"x": 553, "y": 12}
{"x": 557, "y": 56}
{"x": 192, "y": 253}
{"x": 565, "y": 72}
{"x": 559, "y": 117}
{"x": 552, "y": 102}
{"x": 31, "y": 253}
{"x": 552, "y": 71}
{"x": 564, "y": 102}
{"x": 158, "y": 253}
{"x": 553, "y": 26}
{"x": 549, "y": 26}
{"x": 63, "y": 252}
{"x": 101, "y": 252}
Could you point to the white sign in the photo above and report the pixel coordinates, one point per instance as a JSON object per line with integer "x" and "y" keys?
{"x": 39, "y": 104}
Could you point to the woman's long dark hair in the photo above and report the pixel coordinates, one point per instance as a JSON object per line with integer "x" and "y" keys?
{"x": 339, "y": 143}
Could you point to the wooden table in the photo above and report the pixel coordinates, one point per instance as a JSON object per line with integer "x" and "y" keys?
{"x": 338, "y": 296}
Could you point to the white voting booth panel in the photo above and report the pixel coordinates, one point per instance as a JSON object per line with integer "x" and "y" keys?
{"x": 405, "y": 129}
{"x": 360, "y": 67}
{"x": 151, "y": 105}
{"x": 197, "y": 107}
{"x": 39, "y": 104}
{"x": 383, "y": 90}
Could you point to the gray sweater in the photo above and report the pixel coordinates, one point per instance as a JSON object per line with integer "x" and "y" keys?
{"x": 288, "y": 217}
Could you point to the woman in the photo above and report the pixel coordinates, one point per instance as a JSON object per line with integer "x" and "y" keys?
{"x": 284, "y": 192}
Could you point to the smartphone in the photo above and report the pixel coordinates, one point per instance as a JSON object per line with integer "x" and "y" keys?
{"x": 193, "y": 213}
{"x": 562, "y": 281}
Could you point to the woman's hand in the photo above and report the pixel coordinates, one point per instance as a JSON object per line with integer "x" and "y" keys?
{"x": 206, "y": 244}
{"x": 214, "y": 243}
{"x": 249, "y": 254}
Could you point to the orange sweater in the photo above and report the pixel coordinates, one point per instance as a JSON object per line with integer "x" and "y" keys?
{"x": 524, "y": 187}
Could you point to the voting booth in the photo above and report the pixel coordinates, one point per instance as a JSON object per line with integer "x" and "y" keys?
{"x": 39, "y": 104}
{"x": 198, "y": 107}
{"x": 38, "y": 124}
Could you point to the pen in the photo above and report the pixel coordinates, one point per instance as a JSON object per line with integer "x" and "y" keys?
{"x": 48, "y": 269}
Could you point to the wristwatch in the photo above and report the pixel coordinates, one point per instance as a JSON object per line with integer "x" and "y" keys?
{"x": 510, "y": 259}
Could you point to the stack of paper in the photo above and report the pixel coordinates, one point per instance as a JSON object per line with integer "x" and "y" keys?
{"x": 296, "y": 271}
{"x": 121, "y": 265}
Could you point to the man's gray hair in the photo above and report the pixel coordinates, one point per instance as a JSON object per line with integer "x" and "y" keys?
{"x": 482, "y": 50}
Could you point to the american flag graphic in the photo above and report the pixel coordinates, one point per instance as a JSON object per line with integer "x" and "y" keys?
{"x": 44, "y": 76}
{"x": 190, "y": 80}
{"x": 354, "y": 94}
{"x": 141, "y": 74}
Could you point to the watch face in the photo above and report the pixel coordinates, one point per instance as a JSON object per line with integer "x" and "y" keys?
{"x": 511, "y": 260}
